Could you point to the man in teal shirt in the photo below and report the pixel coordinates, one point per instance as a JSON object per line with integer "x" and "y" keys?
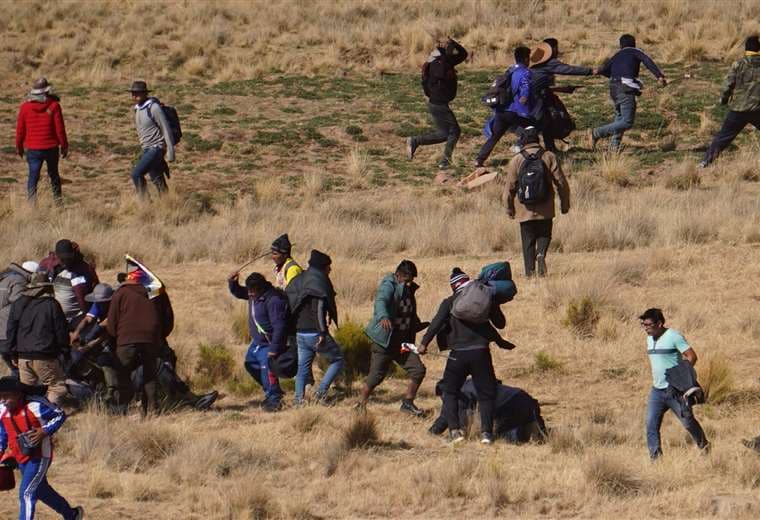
{"x": 666, "y": 347}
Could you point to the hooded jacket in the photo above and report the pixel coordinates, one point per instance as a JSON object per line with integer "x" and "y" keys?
{"x": 312, "y": 299}
{"x": 267, "y": 316}
{"x": 40, "y": 125}
{"x": 12, "y": 283}
{"x": 37, "y": 326}
{"x": 439, "y": 76}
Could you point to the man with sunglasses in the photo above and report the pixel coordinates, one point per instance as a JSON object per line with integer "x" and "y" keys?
{"x": 666, "y": 347}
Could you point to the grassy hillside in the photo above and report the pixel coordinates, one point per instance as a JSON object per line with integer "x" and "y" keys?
{"x": 295, "y": 115}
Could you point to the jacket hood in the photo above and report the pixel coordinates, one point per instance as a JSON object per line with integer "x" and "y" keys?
{"x": 390, "y": 277}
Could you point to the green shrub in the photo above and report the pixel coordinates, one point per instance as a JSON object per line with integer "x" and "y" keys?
{"x": 581, "y": 316}
{"x": 215, "y": 364}
{"x": 544, "y": 362}
{"x": 243, "y": 385}
{"x": 357, "y": 351}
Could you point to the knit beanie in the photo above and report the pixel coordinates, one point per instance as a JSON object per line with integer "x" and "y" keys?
{"x": 319, "y": 260}
{"x": 282, "y": 245}
{"x": 458, "y": 279}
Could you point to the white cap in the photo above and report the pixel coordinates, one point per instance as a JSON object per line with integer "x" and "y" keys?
{"x": 31, "y": 266}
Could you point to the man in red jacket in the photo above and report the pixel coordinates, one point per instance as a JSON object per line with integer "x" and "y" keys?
{"x": 40, "y": 131}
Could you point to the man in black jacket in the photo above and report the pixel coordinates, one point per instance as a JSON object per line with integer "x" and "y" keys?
{"x": 38, "y": 334}
{"x": 545, "y": 64}
{"x": 470, "y": 356}
{"x": 439, "y": 81}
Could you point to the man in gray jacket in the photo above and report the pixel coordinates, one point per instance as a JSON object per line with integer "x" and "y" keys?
{"x": 12, "y": 282}
{"x": 156, "y": 140}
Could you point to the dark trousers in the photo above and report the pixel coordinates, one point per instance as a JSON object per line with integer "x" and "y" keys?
{"x": 151, "y": 162}
{"x": 732, "y": 125}
{"x": 536, "y": 236}
{"x": 502, "y": 123}
{"x": 448, "y": 130}
{"x": 479, "y": 365}
{"x": 131, "y": 357}
{"x": 381, "y": 361}
{"x": 35, "y": 159}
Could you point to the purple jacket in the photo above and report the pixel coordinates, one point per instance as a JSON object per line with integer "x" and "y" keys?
{"x": 521, "y": 78}
{"x": 267, "y": 316}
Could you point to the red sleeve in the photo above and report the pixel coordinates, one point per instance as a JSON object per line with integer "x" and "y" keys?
{"x": 21, "y": 127}
{"x": 60, "y": 127}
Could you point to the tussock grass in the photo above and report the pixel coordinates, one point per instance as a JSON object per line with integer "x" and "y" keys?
{"x": 215, "y": 364}
{"x": 581, "y": 316}
{"x": 610, "y": 477}
{"x": 716, "y": 378}
{"x": 616, "y": 168}
{"x": 544, "y": 362}
{"x": 684, "y": 177}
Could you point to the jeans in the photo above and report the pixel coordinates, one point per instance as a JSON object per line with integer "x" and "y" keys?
{"x": 502, "y": 123}
{"x": 151, "y": 162}
{"x": 479, "y": 365}
{"x": 257, "y": 364}
{"x": 659, "y": 403}
{"x": 625, "y": 113}
{"x": 307, "y": 351}
{"x": 34, "y": 486}
{"x": 732, "y": 125}
{"x": 35, "y": 158}
{"x": 448, "y": 129}
{"x": 536, "y": 236}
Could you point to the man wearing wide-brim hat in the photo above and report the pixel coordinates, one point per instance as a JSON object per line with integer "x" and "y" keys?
{"x": 156, "y": 140}
{"x": 38, "y": 334}
{"x": 41, "y": 134}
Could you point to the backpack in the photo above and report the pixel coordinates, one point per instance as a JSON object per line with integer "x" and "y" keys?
{"x": 445, "y": 86}
{"x": 171, "y": 117}
{"x": 558, "y": 122}
{"x": 473, "y": 303}
{"x": 499, "y": 94}
{"x": 498, "y": 278}
{"x": 532, "y": 179}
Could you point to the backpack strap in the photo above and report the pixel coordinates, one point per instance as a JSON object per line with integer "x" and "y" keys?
{"x": 152, "y": 101}
{"x": 532, "y": 156}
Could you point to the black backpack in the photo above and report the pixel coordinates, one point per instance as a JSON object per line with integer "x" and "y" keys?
{"x": 499, "y": 94}
{"x": 171, "y": 117}
{"x": 444, "y": 88}
{"x": 558, "y": 122}
{"x": 532, "y": 179}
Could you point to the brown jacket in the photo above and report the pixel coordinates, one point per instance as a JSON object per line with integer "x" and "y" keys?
{"x": 132, "y": 317}
{"x": 544, "y": 210}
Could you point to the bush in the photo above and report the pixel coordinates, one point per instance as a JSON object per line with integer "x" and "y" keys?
{"x": 684, "y": 180}
{"x": 545, "y": 362}
{"x": 357, "y": 351}
{"x": 215, "y": 364}
{"x": 581, "y": 316}
{"x": 610, "y": 477}
{"x": 240, "y": 325}
{"x": 716, "y": 379}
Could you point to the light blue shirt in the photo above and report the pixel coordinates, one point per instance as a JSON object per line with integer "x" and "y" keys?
{"x": 665, "y": 353}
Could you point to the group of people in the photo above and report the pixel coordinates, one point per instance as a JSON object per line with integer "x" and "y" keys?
{"x": 530, "y": 96}
{"x": 41, "y": 137}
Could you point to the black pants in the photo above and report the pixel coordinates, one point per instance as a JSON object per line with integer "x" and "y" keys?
{"x": 503, "y": 122}
{"x": 130, "y": 357}
{"x": 479, "y": 365}
{"x": 732, "y": 125}
{"x": 536, "y": 236}
{"x": 448, "y": 129}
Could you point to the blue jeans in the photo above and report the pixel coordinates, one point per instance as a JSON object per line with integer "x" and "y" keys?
{"x": 151, "y": 162}
{"x": 34, "y": 486}
{"x": 625, "y": 113}
{"x": 659, "y": 403}
{"x": 35, "y": 158}
{"x": 257, "y": 364}
{"x": 307, "y": 351}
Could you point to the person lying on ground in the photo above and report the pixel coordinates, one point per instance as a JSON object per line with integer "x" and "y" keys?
{"x": 517, "y": 415}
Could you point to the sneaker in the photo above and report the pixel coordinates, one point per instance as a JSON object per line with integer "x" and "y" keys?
{"x": 541, "y": 262}
{"x": 410, "y": 408}
{"x": 205, "y": 401}
{"x": 411, "y": 147}
{"x": 702, "y": 164}
{"x": 79, "y": 510}
{"x": 272, "y": 406}
{"x": 478, "y": 164}
{"x": 486, "y": 438}
{"x": 445, "y": 164}
{"x": 456, "y": 436}
{"x": 591, "y": 139}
